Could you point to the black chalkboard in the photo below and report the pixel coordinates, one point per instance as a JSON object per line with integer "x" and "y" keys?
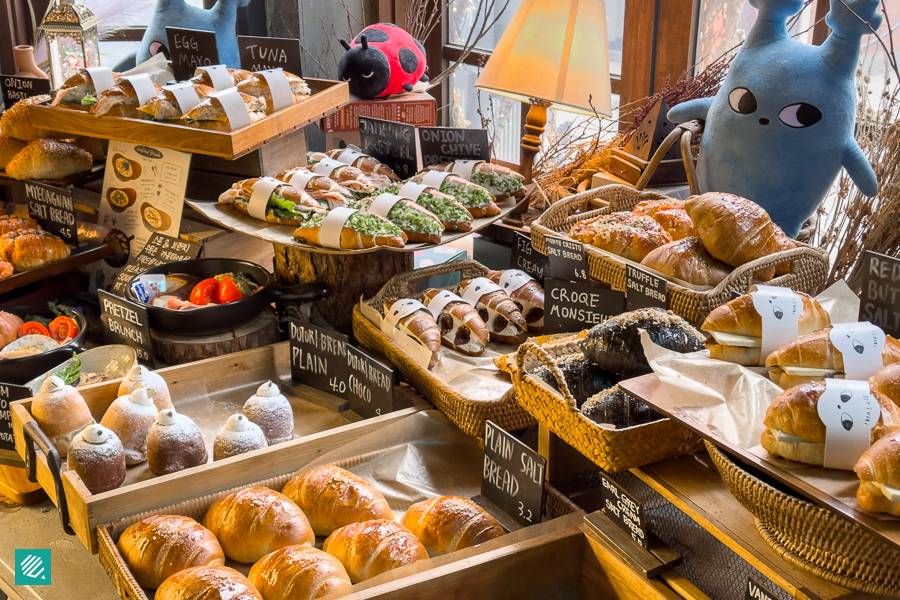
{"x": 319, "y": 358}
{"x": 189, "y": 49}
{"x": 525, "y": 258}
{"x": 755, "y": 591}
{"x": 626, "y": 512}
{"x": 9, "y": 393}
{"x": 571, "y": 307}
{"x": 567, "y": 259}
{"x": 446, "y": 144}
{"x": 370, "y": 384}
{"x": 16, "y": 88}
{"x": 159, "y": 250}
{"x": 392, "y": 143}
{"x": 513, "y": 475}
{"x": 880, "y": 298}
{"x": 264, "y": 53}
{"x": 126, "y": 322}
{"x": 644, "y": 289}
{"x": 53, "y": 208}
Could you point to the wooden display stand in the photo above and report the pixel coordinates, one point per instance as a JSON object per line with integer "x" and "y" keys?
{"x": 178, "y": 350}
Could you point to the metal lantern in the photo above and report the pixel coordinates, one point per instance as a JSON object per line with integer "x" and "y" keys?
{"x": 70, "y": 31}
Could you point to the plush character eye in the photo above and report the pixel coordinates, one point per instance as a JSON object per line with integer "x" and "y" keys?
{"x": 800, "y": 115}
{"x": 742, "y": 101}
{"x": 369, "y": 76}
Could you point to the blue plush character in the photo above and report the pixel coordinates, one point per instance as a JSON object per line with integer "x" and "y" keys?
{"x": 781, "y": 126}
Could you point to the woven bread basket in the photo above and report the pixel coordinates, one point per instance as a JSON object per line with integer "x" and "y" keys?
{"x": 812, "y": 538}
{"x": 469, "y": 414}
{"x": 613, "y": 450}
{"x": 808, "y": 265}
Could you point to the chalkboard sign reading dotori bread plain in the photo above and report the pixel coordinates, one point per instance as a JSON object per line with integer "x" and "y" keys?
{"x": 512, "y": 476}
{"x": 9, "y": 393}
{"x": 319, "y": 358}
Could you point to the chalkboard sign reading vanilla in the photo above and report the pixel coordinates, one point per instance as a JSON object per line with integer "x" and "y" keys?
{"x": 447, "y": 144}
{"x": 264, "y": 53}
{"x": 370, "y": 384}
{"x": 512, "y": 475}
{"x": 9, "y": 393}
{"x": 189, "y": 49}
{"x": 16, "y": 88}
{"x": 53, "y": 208}
{"x": 755, "y": 591}
{"x": 319, "y": 358}
{"x": 392, "y": 143}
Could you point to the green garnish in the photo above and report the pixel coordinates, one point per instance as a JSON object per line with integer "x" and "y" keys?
{"x": 447, "y": 210}
{"x": 407, "y": 218}
{"x": 497, "y": 183}
{"x": 88, "y": 100}
{"x": 360, "y": 222}
{"x": 473, "y": 196}
{"x": 72, "y": 373}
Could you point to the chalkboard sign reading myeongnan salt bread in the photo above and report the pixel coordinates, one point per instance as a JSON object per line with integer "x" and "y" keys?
{"x": 53, "y": 208}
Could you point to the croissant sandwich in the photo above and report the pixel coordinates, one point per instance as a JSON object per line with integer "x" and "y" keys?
{"x": 461, "y": 327}
{"x": 813, "y": 357}
{"x": 122, "y": 95}
{"x": 795, "y": 431}
{"x": 418, "y": 223}
{"x": 497, "y": 179}
{"x": 449, "y": 523}
{"x": 359, "y": 231}
{"x": 735, "y": 328}
{"x": 286, "y": 205}
{"x": 452, "y": 214}
{"x": 237, "y": 76}
{"x": 878, "y": 470}
{"x": 257, "y": 85}
{"x": 504, "y": 321}
{"x": 688, "y": 260}
{"x": 78, "y": 88}
{"x": 165, "y": 106}
{"x": 321, "y": 187}
{"x": 419, "y": 325}
{"x": 368, "y": 164}
{"x": 526, "y": 293}
{"x": 477, "y": 200}
{"x": 349, "y": 177}
{"x": 210, "y": 114}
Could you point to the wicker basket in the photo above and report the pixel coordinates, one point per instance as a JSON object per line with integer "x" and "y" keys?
{"x": 613, "y": 450}
{"x": 812, "y": 538}
{"x": 808, "y": 268}
{"x": 466, "y": 413}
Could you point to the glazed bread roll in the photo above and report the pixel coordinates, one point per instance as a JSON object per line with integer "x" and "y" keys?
{"x": 688, "y": 260}
{"x": 739, "y": 318}
{"x": 332, "y": 497}
{"x": 887, "y": 382}
{"x": 17, "y": 124}
{"x": 49, "y": 159}
{"x": 879, "y": 472}
{"x": 670, "y": 214}
{"x": 584, "y": 231}
{"x": 633, "y": 240}
{"x": 449, "y": 523}
{"x": 371, "y": 548}
{"x": 9, "y": 147}
{"x": 160, "y": 546}
{"x": 61, "y": 413}
{"x": 795, "y": 431}
{"x": 212, "y": 582}
{"x": 299, "y": 573}
{"x": 255, "y": 521}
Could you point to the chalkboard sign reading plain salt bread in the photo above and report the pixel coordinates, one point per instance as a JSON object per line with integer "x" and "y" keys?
{"x": 880, "y": 303}
{"x": 626, "y": 512}
{"x": 9, "y": 393}
{"x": 18, "y": 88}
{"x": 370, "y": 384}
{"x": 512, "y": 475}
{"x": 53, "y": 209}
{"x": 644, "y": 289}
{"x": 571, "y": 307}
{"x": 392, "y": 143}
{"x": 126, "y": 323}
{"x": 447, "y": 144}
{"x": 525, "y": 258}
{"x": 567, "y": 259}
{"x": 159, "y": 250}
{"x": 189, "y": 49}
{"x": 264, "y": 53}
{"x": 319, "y": 358}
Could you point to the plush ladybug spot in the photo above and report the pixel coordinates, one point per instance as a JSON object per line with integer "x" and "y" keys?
{"x": 373, "y": 35}
{"x": 408, "y": 60}
{"x": 382, "y": 60}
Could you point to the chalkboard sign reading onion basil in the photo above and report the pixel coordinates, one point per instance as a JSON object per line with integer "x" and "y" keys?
{"x": 16, "y": 88}
{"x": 264, "y": 53}
{"x": 626, "y": 512}
{"x": 881, "y": 292}
{"x": 525, "y": 258}
{"x": 447, "y": 144}
{"x": 370, "y": 384}
{"x": 160, "y": 249}
{"x": 512, "y": 475}
{"x": 9, "y": 393}
{"x": 392, "y": 143}
{"x": 644, "y": 289}
{"x": 53, "y": 208}
{"x": 126, "y": 323}
{"x": 574, "y": 306}
{"x": 567, "y": 259}
{"x": 189, "y": 49}
{"x": 319, "y": 358}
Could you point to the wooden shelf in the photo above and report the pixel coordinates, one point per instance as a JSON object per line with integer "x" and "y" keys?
{"x": 82, "y": 256}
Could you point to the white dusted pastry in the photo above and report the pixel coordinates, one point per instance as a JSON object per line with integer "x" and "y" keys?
{"x": 131, "y": 417}
{"x": 269, "y": 409}
{"x": 152, "y": 382}
{"x": 97, "y": 456}
{"x": 60, "y": 412}
{"x": 174, "y": 443}
{"x": 237, "y": 436}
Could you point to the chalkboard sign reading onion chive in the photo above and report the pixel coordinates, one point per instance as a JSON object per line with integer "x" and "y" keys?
{"x": 447, "y": 144}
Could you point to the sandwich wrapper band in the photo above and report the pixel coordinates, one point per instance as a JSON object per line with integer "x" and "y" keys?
{"x": 849, "y": 411}
{"x": 383, "y": 203}
{"x": 440, "y": 301}
{"x": 144, "y": 89}
{"x": 860, "y": 345}
{"x": 234, "y": 107}
{"x": 435, "y": 178}
{"x": 219, "y": 76}
{"x": 326, "y": 166}
{"x": 780, "y": 310}
{"x": 332, "y": 225}
{"x": 478, "y": 287}
{"x": 464, "y": 168}
{"x": 102, "y": 78}
{"x": 412, "y": 190}
{"x": 513, "y": 279}
{"x": 259, "y": 198}
{"x": 301, "y": 178}
{"x": 185, "y": 95}
{"x": 398, "y": 310}
{"x": 279, "y": 88}
{"x": 350, "y": 156}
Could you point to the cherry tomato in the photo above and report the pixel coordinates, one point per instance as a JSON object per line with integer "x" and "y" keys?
{"x": 204, "y": 292}
{"x": 33, "y": 328}
{"x": 63, "y": 328}
{"x": 228, "y": 290}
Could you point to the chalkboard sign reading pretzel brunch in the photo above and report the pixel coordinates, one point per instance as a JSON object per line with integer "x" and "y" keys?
{"x": 126, "y": 323}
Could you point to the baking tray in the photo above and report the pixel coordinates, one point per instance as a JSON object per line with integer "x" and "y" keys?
{"x": 85, "y": 254}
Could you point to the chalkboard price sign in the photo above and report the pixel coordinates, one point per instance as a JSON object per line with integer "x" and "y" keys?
{"x": 574, "y": 306}
{"x": 189, "y": 49}
{"x": 159, "y": 250}
{"x": 16, "y": 88}
{"x": 370, "y": 384}
{"x": 392, "y": 143}
{"x": 880, "y": 303}
{"x": 446, "y": 144}
{"x": 567, "y": 259}
{"x": 54, "y": 209}
{"x": 264, "y": 53}
{"x": 644, "y": 289}
{"x": 525, "y": 258}
{"x": 319, "y": 358}
{"x": 9, "y": 393}
{"x": 626, "y": 512}
{"x": 513, "y": 475}
{"x": 755, "y": 591}
{"x": 126, "y": 323}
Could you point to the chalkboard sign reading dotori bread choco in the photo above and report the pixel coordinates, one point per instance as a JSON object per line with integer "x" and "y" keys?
{"x": 319, "y": 358}
{"x": 126, "y": 323}
{"x": 189, "y": 49}
{"x": 370, "y": 384}
{"x": 880, "y": 302}
{"x": 392, "y": 143}
{"x": 54, "y": 209}
{"x": 513, "y": 475}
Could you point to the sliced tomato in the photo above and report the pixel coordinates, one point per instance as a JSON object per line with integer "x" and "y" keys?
{"x": 33, "y": 328}
{"x": 63, "y": 328}
{"x": 228, "y": 290}
{"x": 204, "y": 292}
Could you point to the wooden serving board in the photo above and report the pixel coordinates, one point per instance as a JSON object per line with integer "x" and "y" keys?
{"x": 831, "y": 489}
{"x": 327, "y": 96}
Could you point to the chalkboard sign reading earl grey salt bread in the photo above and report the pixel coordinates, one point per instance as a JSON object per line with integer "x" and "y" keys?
{"x": 392, "y": 143}
{"x": 525, "y": 258}
{"x": 319, "y": 358}
{"x": 512, "y": 475}
{"x": 53, "y": 208}
{"x": 16, "y": 88}
{"x": 567, "y": 259}
{"x": 264, "y": 53}
{"x": 370, "y": 384}
{"x": 189, "y": 49}
{"x": 880, "y": 303}
{"x": 571, "y": 307}
{"x": 644, "y": 289}
{"x": 447, "y": 144}
{"x": 126, "y": 322}
{"x": 9, "y": 393}
{"x": 626, "y": 512}
{"x": 159, "y": 250}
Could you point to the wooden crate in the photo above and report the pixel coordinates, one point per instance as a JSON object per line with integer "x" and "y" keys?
{"x": 327, "y": 96}
{"x": 224, "y": 378}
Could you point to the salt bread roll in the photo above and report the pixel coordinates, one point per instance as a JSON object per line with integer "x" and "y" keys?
{"x": 299, "y": 573}
{"x": 879, "y": 467}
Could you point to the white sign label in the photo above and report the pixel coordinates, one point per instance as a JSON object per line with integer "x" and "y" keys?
{"x": 219, "y": 76}
{"x": 185, "y": 95}
{"x": 259, "y": 198}
{"x": 332, "y": 225}
{"x": 400, "y": 309}
{"x": 279, "y": 87}
{"x": 849, "y": 411}
{"x": 102, "y": 79}
{"x": 144, "y": 89}
{"x": 326, "y": 166}
{"x": 234, "y": 107}
{"x": 435, "y": 178}
{"x": 350, "y": 155}
{"x": 301, "y": 178}
{"x": 437, "y": 304}
{"x": 514, "y": 279}
{"x": 383, "y": 204}
{"x": 412, "y": 190}
{"x": 780, "y": 310}
{"x": 478, "y": 287}
{"x": 860, "y": 345}
{"x": 464, "y": 168}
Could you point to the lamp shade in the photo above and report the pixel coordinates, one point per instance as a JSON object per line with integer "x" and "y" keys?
{"x": 553, "y": 52}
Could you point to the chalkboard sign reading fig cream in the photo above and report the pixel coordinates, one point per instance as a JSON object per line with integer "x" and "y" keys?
{"x": 370, "y": 384}
{"x": 16, "y": 88}
{"x": 447, "y": 144}
{"x": 264, "y": 53}
{"x": 392, "y": 143}
{"x": 567, "y": 259}
{"x": 53, "y": 209}
{"x": 571, "y": 307}
{"x": 126, "y": 323}
{"x": 9, "y": 393}
{"x": 512, "y": 475}
{"x": 319, "y": 358}
{"x": 644, "y": 289}
{"x": 626, "y": 512}
{"x": 881, "y": 292}
{"x": 525, "y": 258}
{"x": 189, "y": 49}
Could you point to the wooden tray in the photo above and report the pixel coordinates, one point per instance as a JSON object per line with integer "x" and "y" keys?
{"x": 801, "y": 480}
{"x": 95, "y": 172}
{"x": 327, "y": 96}
{"x": 228, "y": 380}
{"x": 83, "y": 255}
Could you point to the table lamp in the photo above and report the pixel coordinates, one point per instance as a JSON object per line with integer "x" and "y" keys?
{"x": 553, "y": 54}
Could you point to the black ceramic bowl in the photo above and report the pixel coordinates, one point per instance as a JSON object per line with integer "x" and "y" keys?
{"x": 19, "y": 371}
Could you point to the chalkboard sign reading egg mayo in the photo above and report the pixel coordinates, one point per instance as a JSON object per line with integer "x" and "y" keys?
{"x": 264, "y": 53}
{"x": 189, "y": 49}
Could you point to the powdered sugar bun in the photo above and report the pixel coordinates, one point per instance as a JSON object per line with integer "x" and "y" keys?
{"x": 269, "y": 409}
{"x": 141, "y": 376}
{"x": 131, "y": 418}
{"x": 60, "y": 412}
{"x": 97, "y": 456}
{"x": 174, "y": 443}
{"x": 239, "y": 435}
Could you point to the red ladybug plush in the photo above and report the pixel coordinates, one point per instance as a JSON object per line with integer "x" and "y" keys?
{"x": 382, "y": 61}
